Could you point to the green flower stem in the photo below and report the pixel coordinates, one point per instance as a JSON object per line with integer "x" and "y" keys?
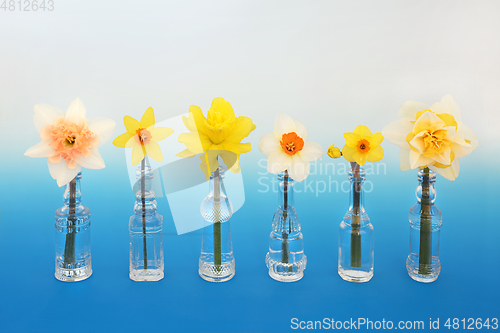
{"x": 425, "y": 254}
{"x": 217, "y": 224}
{"x": 143, "y": 198}
{"x": 69, "y": 246}
{"x": 356, "y": 216}
{"x": 285, "y": 251}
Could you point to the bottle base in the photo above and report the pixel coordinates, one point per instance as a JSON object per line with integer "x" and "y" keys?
{"x": 356, "y": 276}
{"x": 286, "y": 272}
{"x": 431, "y": 271}
{"x": 73, "y": 275}
{"x": 220, "y": 273}
{"x": 145, "y": 275}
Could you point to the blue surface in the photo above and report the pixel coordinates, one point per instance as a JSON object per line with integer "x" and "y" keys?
{"x": 33, "y": 300}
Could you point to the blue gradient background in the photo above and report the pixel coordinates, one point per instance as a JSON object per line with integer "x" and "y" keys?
{"x": 331, "y": 64}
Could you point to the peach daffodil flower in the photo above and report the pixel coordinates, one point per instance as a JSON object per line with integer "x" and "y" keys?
{"x": 287, "y": 148}
{"x": 431, "y": 136}
{"x": 69, "y": 140}
{"x": 143, "y": 137}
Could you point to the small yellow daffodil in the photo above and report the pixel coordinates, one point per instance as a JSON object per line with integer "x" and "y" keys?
{"x": 219, "y": 134}
{"x": 334, "y": 152}
{"x": 361, "y": 146}
{"x": 143, "y": 137}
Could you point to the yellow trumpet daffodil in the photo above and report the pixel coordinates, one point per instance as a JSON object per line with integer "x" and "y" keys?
{"x": 143, "y": 137}
{"x": 361, "y": 146}
{"x": 218, "y": 134}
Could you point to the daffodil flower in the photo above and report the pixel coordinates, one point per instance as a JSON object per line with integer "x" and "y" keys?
{"x": 219, "y": 134}
{"x": 431, "y": 136}
{"x": 287, "y": 148}
{"x": 143, "y": 137}
{"x": 361, "y": 146}
{"x": 69, "y": 141}
{"x": 334, "y": 152}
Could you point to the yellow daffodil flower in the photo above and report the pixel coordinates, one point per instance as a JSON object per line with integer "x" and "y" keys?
{"x": 334, "y": 152}
{"x": 431, "y": 136}
{"x": 143, "y": 137}
{"x": 361, "y": 146}
{"x": 287, "y": 148}
{"x": 219, "y": 134}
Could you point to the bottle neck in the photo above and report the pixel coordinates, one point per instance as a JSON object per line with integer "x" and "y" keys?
{"x": 73, "y": 195}
{"x": 216, "y": 185}
{"x": 285, "y": 190}
{"x": 357, "y": 179}
{"x": 145, "y": 202}
{"x": 426, "y": 193}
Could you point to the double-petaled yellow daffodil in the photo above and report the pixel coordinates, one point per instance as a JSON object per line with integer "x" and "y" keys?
{"x": 143, "y": 137}
{"x": 431, "y": 136}
{"x": 219, "y": 134}
{"x": 361, "y": 146}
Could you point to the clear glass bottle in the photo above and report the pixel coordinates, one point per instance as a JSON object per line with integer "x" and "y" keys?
{"x": 286, "y": 260}
{"x": 145, "y": 228}
{"x": 73, "y": 259}
{"x": 356, "y": 237}
{"x": 425, "y": 218}
{"x": 216, "y": 261}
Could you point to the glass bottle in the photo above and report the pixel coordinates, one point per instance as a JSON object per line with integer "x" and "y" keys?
{"x": 286, "y": 260}
{"x": 425, "y": 218}
{"x": 145, "y": 228}
{"x": 73, "y": 260}
{"x": 216, "y": 261}
{"x": 356, "y": 237}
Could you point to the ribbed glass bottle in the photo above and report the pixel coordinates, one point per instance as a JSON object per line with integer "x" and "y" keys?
{"x": 73, "y": 259}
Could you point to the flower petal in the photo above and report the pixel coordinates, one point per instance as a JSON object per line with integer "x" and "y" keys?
{"x": 131, "y": 124}
{"x": 312, "y": 151}
{"x": 278, "y": 161}
{"x": 352, "y": 139}
{"x": 93, "y": 161}
{"x": 451, "y": 172}
{"x": 220, "y": 105}
{"x": 409, "y": 109}
{"x": 209, "y": 163}
{"x": 375, "y": 155}
{"x": 186, "y": 153}
{"x": 268, "y": 143}
{"x": 397, "y": 131}
{"x": 121, "y": 140}
{"x": 418, "y": 160}
{"x": 448, "y": 105}
{"x": 466, "y": 133}
{"x": 41, "y": 149}
{"x": 197, "y": 144}
{"x": 404, "y": 159}
{"x": 103, "y": 128}
{"x": 240, "y": 129}
{"x": 363, "y": 131}
{"x": 148, "y": 118}
{"x": 61, "y": 173}
{"x": 426, "y": 121}
{"x": 301, "y": 130}
{"x": 160, "y": 133}
{"x": 153, "y": 149}
{"x": 283, "y": 124}
{"x": 348, "y": 153}
{"x": 360, "y": 158}
{"x": 375, "y": 140}
{"x": 137, "y": 154}
{"x": 76, "y": 112}
{"x": 300, "y": 168}
{"x": 45, "y": 115}
{"x": 237, "y": 148}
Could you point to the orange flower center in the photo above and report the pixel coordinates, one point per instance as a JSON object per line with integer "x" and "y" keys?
{"x": 363, "y": 146}
{"x": 291, "y": 143}
{"x": 142, "y": 136}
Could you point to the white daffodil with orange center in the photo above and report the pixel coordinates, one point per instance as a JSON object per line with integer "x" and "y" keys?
{"x": 431, "y": 136}
{"x": 69, "y": 141}
{"x": 287, "y": 148}
{"x": 219, "y": 134}
{"x": 361, "y": 146}
{"x": 143, "y": 137}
